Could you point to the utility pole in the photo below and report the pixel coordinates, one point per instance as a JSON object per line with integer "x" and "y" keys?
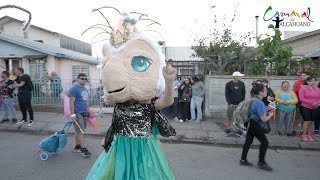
{"x": 257, "y": 30}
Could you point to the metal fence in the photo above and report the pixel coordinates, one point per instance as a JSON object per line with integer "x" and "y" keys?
{"x": 48, "y": 93}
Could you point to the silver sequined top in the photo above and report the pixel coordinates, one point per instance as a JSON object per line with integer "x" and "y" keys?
{"x": 133, "y": 120}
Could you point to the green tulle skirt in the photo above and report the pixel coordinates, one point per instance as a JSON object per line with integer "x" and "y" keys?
{"x": 132, "y": 159}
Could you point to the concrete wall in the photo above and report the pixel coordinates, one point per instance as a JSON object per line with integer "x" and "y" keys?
{"x": 305, "y": 46}
{"x": 215, "y": 102}
{"x": 13, "y": 28}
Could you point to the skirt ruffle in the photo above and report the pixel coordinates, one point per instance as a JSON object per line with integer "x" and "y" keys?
{"x": 132, "y": 159}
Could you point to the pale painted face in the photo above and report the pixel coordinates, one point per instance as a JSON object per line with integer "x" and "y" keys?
{"x": 132, "y": 73}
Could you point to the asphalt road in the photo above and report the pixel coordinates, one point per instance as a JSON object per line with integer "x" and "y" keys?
{"x": 19, "y": 160}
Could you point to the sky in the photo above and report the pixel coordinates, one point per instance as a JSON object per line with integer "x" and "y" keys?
{"x": 181, "y": 21}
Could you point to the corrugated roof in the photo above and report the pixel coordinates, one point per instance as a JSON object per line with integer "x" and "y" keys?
{"x": 314, "y": 54}
{"x": 5, "y": 19}
{"x": 49, "y": 49}
{"x": 304, "y": 35}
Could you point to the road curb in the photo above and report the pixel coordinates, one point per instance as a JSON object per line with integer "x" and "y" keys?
{"x": 232, "y": 142}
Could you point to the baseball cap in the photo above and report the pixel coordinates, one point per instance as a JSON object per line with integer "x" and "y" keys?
{"x": 236, "y": 74}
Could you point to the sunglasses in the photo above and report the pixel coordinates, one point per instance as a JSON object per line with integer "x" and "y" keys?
{"x": 84, "y": 79}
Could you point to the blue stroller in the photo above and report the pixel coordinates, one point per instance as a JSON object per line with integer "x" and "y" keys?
{"x": 51, "y": 143}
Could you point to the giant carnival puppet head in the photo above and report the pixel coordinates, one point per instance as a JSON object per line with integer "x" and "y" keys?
{"x": 132, "y": 63}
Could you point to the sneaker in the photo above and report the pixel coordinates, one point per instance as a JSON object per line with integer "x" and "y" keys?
{"x": 294, "y": 133}
{"x": 245, "y": 163}
{"x": 264, "y": 166}
{"x": 310, "y": 138}
{"x": 198, "y": 121}
{"x": 227, "y": 133}
{"x": 181, "y": 120}
{"x": 84, "y": 152}
{"x": 304, "y": 138}
{"x": 240, "y": 134}
{"x": 280, "y": 133}
{"x": 191, "y": 120}
{"x": 301, "y": 132}
{"x": 316, "y": 133}
{"x": 288, "y": 135}
{"x": 176, "y": 119}
{"x": 14, "y": 120}
{"x": 77, "y": 148}
{"x": 23, "y": 121}
{"x": 30, "y": 124}
{"x": 4, "y": 120}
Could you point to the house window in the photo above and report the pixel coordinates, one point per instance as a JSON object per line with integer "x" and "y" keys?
{"x": 76, "y": 69}
{"x": 187, "y": 71}
{"x": 36, "y": 68}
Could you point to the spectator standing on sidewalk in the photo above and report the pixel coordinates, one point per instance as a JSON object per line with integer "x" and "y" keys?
{"x": 310, "y": 101}
{"x": 235, "y": 92}
{"x": 270, "y": 93}
{"x": 296, "y": 87}
{"x": 176, "y": 85}
{"x": 79, "y": 104}
{"x": 55, "y": 86}
{"x": 260, "y": 115}
{"x": 287, "y": 101}
{"x": 186, "y": 93}
{"x": 317, "y": 122}
{"x": 24, "y": 85}
{"x": 6, "y": 96}
{"x": 198, "y": 91}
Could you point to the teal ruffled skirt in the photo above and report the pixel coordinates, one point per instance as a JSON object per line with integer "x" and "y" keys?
{"x": 132, "y": 159}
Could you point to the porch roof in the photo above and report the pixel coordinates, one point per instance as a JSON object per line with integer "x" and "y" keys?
{"x": 49, "y": 49}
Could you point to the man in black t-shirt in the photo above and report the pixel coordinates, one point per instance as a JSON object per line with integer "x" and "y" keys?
{"x": 235, "y": 92}
{"x": 24, "y": 85}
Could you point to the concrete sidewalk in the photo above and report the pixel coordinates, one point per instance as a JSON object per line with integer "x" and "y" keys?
{"x": 210, "y": 131}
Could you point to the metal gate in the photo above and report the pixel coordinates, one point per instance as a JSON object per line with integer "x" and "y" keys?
{"x": 189, "y": 68}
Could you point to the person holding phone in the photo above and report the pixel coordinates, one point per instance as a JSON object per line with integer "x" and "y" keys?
{"x": 259, "y": 114}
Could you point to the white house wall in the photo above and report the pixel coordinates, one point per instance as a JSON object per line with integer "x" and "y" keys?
{"x": 180, "y": 53}
{"x": 13, "y": 28}
{"x": 63, "y": 67}
{"x": 305, "y": 46}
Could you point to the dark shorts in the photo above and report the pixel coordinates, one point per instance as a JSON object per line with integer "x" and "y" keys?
{"x": 298, "y": 112}
{"x": 82, "y": 121}
{"x": 309, "y": 114}
{"x": 230, "y": 112}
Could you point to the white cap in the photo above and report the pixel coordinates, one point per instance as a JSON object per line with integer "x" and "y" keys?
{"x": 237, "y": 73}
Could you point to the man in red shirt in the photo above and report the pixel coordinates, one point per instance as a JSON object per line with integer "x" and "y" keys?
{"x": 296, "y": 87}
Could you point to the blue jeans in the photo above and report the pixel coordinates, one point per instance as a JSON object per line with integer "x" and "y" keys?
{"x": 8, "y": 108}
{"x": 196, "y": 102}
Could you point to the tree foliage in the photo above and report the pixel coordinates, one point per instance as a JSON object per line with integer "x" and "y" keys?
{"x": 222, "y": 52}
{"x": 274, "y": 58}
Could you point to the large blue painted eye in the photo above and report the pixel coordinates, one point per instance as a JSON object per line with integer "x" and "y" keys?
{"x": 140, "y": 63}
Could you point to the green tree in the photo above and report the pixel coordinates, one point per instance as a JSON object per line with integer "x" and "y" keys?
{"x": 222, "y": 52}
{"x": 274, "y": 58}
